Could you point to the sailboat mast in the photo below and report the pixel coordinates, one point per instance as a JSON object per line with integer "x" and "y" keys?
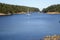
{"x": 28, "y": 10}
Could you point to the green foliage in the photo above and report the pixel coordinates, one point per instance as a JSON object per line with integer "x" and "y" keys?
{"x": 52, "y": 8}
{"x": 6, "y": 8}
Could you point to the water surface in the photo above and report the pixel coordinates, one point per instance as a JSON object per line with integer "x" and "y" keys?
{"x": 28, "y": 27}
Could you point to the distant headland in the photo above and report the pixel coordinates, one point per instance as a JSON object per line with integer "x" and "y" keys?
{"x": 53, "y": 9}
{"x": 8, "y": 9}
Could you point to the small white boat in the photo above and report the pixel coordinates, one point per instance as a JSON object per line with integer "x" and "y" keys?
{"x": 28, "y": 14}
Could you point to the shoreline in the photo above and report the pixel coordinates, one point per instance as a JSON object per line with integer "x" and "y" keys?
{"x": 2, "y": 14}
{"x": 53, "y": 12}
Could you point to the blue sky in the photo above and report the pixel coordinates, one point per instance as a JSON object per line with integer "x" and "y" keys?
{"x": 32, "y": 3}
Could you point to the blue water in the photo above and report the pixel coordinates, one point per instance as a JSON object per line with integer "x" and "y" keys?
{"x": 29, "y": 27}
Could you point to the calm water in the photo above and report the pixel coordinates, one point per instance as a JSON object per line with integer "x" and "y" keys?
{"x": 28, "y": 27}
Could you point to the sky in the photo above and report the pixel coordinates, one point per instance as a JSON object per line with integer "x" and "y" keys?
{"x": 32, "y": 3}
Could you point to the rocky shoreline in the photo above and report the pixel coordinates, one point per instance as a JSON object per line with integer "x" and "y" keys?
{"x": 2, "y": 14}
{"x": 53, "y": 12}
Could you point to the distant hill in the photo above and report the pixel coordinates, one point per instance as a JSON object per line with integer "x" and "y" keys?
{"x": 52, "y": 8}
{"x": 8, "y": 8}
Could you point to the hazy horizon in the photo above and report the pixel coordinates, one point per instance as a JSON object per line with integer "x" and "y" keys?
{"x": 32, "y": 3}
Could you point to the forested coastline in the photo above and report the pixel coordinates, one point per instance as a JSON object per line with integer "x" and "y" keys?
{"x": 8, "y": 8}
{"x": 52, "y": 8}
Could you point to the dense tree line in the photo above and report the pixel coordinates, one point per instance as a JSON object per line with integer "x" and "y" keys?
{"x": 7, "y": 8}
{"x": 52, "y": 8}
